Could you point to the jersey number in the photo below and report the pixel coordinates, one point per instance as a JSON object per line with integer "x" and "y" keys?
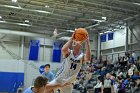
{"x": 73, "y": 66}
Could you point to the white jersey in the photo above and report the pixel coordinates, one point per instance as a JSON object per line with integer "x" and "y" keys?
{"x": 70, "y": 68}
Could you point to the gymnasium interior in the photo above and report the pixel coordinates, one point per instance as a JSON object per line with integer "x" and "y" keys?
{"x": 32, "y": 33}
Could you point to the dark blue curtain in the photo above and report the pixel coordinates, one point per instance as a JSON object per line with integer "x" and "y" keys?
{"x": 110, "y": 36}
{"x": 34, "y": 50}
{"x": 103, "y": 38}
{"x": 56, "y": 53}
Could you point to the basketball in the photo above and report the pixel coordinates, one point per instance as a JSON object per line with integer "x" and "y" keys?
{"x": 80, "y": 34}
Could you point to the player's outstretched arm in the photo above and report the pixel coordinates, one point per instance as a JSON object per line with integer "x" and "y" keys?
{"x": 87, "y": 57}
{"x": 65, "y": 48}
{"x": 53, "y": 86}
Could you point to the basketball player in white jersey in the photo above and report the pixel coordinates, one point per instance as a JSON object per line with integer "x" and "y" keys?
{"x": 72, "y": 63}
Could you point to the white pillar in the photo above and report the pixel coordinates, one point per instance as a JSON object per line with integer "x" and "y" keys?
{"x": 99, "y": 46}
{"x": 22, "y": 47}
{"x": 44, "y": 51}
{"x": 126, "y": 39}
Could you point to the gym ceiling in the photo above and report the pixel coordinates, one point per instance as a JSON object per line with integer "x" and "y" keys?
{"x": 43, "y": 16}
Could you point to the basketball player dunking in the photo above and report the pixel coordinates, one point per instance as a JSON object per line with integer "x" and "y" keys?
{"x": 72, "y": 62}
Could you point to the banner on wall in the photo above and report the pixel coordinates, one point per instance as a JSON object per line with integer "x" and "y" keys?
{"x": 56, "y": 53}
{"x": 110, "y": 36}
{"x": 103, "y": 38}
{"x": 34, "y": 50}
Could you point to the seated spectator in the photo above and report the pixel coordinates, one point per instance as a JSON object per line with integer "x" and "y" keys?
{"x": 80, "y": 74}
{"x": 120, "y": 59}
{"x": 103, "y": 72}
{"x": 126, "y": 81}
{"x": 121, "y": 86}
{"x": 116, "y": 65}
{"x": 134, "y": 56}
{"x": 95, "y": 67}
{"x": 130, "y": 72}
{"x": 134, "y": 67}
{"x": 130, "y": 59}
{"x": 81, "y": 87}
{"x": 138, "y": 63}
{"x": 113, "y": 73}
{"x": 135, "y": 76}
{"x": 105, "y": 63}
{"x": 119, "y": 73}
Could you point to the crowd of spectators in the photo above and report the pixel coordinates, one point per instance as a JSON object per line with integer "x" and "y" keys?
{"x": 103, "y": 76}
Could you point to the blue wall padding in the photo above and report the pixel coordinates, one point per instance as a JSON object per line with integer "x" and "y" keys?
{"x": 10, "y": 81}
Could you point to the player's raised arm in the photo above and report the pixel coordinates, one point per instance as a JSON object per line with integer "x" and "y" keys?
{"x": 50, "y": 87}
{"x": 65, "y": 48}
{"x": 87, "y": 57}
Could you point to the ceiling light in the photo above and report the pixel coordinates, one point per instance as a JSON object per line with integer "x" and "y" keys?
{"x": 65, "y": 38}
{"x": 26, "y": 21}
{"x": 42, "y": 11}
{"x": 104, "y": 18}
{"x": 115, "y": 29}
{"x": 120, "y": 27}
{"x": 101, "y": 33}
{"x": 136, "y": 3}
{"x": 23, "y": 24}
{"x": 14, "y": 0}
{"x": 9, "y": 6}
{"x": 109, "y": 31}
{"x": 70, "y": 30}
{"x": 47, "y": 6}
{"x": 2, "y": 21}
{"x": 15, "y": 7}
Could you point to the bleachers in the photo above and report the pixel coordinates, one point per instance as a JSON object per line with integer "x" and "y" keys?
{"x": 131, "y": 87}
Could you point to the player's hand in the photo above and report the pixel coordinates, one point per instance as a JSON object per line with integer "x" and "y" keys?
{"x": 73, "y": 36}
{"x": 112, "y": 92}
{"x": 65, "y": 84}
{"x": 87, "y": 38}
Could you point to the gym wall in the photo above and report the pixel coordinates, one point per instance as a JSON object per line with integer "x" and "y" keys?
{"x": 8, "y": 59}
{"x": 117, "y": 45}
